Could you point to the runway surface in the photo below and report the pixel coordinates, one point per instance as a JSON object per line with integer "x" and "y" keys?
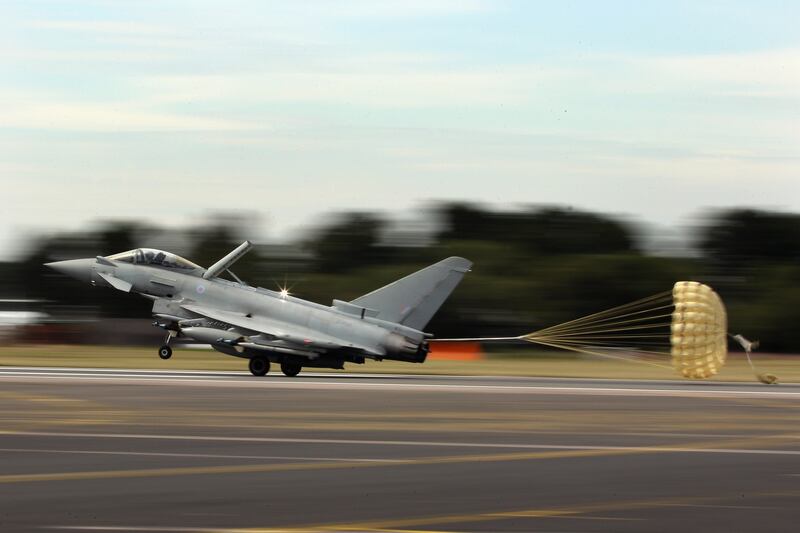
{"x": 127, "y": 450}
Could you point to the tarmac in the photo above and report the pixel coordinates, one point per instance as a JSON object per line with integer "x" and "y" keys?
{"x": 132, "y": 450}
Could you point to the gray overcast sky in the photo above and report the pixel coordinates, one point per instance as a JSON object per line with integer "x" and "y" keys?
{"x": 167, "y": 109}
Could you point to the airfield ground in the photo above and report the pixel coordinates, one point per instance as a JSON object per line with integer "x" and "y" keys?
{"x": 199, "y": 451}
{"x": 561, "y": 364}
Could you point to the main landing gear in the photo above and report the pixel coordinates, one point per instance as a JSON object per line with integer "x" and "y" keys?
{"x": 290, "y": 369}
{"x": 259, "y": 366}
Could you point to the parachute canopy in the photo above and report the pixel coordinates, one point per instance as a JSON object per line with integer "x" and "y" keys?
{"x": 688, "y": 324}
{"x": 699, "y": 330}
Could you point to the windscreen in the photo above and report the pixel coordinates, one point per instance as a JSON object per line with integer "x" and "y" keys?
{"x": 150, "y": 256}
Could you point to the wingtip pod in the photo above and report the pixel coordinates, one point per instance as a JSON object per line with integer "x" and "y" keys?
{"x": 699, "y": 327}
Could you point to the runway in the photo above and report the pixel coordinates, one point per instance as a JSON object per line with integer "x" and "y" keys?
{"x": 132, "y": 450}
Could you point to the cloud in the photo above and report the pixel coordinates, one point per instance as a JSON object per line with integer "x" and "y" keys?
{"x": 760, "y": 68}
{"x": 48, "y": 113}
{"x": 403, "y": 80}
{"x": 113, "y": 27}
{"x": 403, "y": 88}
{"x": 63, "y": 57}
{"x": 393, "y": 9}
{"x": 767, "y": 73}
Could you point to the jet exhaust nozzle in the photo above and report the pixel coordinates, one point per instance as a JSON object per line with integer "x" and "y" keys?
{"x": 398, "y": 344}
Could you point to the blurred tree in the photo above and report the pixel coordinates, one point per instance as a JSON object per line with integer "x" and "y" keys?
{"x": 350, "y": 242}
{"x": 64, "y": 295}
{"x": 754, "y": 257}
{"x": 769, "y": 310}
{"x": 212, "y": 243}
{"x": 562, "y": 231}
{"x": 465, "y": 221}
{"x": 533, "y": 268}
{"x": 736, "y": 236}
{"x": 550, "y": 230}
{"x": 115, "y": 237}
{"x": 215, "y": 237}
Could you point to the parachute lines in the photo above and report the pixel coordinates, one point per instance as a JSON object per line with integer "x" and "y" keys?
{"x": 687, "y": 324}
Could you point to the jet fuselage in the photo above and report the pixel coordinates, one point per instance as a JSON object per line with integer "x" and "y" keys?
{"x": 257, "y": 323}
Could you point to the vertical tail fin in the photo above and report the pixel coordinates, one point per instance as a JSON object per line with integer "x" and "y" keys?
{"x": 414, "y": 299}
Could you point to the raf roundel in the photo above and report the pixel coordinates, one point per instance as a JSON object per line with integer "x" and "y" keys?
{"x": 201, "y": 289}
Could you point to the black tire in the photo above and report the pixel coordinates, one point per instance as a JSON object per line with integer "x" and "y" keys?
{"x": 259, "y": 366}
{"x": 165, "y": 352}
{"x": 290, "y": 369}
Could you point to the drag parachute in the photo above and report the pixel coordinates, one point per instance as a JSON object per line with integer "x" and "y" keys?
{"x": 687, "y": 325}
{"x": 699, "y": 328}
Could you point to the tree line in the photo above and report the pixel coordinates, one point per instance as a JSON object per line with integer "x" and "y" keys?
{"x": 533, "y": 267}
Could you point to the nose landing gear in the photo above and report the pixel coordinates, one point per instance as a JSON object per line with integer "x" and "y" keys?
{"x": 165, "y": 352}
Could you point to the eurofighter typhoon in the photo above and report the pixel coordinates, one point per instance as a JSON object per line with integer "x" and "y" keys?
{"x": 268, "y": 326}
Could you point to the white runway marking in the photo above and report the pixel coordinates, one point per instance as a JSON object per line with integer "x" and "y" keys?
{"x": 198, "y": 455}
{"x": 343, "y": 382}
{"x": 328, "y": 375}
{"x": 432, "y": 444}
{"x": 158, "y": 528}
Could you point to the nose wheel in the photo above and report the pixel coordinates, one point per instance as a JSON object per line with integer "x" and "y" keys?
{"x": 259, "y": 366}
{"x": 165, "y": 352}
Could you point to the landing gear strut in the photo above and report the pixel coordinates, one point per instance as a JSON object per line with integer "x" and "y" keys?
{"x": 165, "y": 352}
{"x": 259, "y": 366}
{"x": 290, "y": 369}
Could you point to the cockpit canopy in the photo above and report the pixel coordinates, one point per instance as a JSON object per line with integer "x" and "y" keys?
{"x": 150, "y": 256}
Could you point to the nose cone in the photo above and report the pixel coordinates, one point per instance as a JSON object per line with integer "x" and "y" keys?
{"x": 80, "y": 269}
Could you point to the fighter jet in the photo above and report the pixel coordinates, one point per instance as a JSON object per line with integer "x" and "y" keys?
{"x": 267, "y": 326}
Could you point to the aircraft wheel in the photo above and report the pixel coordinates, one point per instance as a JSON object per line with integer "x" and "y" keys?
{"x": 259, "y": 366}
{"x": 165, "y": 352}
{"x": 290, "y": 369}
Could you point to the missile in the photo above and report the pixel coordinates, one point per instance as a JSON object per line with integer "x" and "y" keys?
{"x": 212, "y": 335}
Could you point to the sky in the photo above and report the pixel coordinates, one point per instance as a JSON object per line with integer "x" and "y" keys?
{"x": 165, "y": 110}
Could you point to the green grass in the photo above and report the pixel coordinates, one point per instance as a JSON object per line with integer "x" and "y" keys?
{"x": 787, "y": 368}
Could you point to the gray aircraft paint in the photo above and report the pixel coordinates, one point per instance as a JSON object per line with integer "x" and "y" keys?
{"x": 254, "y": 322}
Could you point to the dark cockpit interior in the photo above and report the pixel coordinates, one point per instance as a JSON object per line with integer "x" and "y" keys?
{"x": 151, "y": 256}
